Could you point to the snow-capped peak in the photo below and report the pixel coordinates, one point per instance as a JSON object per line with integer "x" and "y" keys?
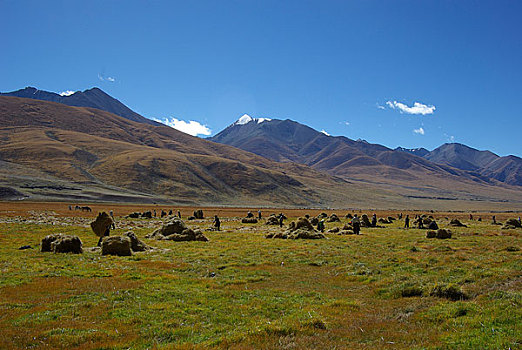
{"x": 245, "y": 119}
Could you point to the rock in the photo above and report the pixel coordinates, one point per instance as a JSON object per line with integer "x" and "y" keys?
{"x": 67, "y": 244}
{"x": 440, "y": 234}
{"x": 134, "y": 215}
{"x": 101, "y": 224}
{"x": 456, "y": 223}
{"x": 334, "y": 230}
{"x": 47, "y": 240}
{"x": 250, "y": 220}
{"x": 147, "y": 215}
{"x": 136, "y": 244}
{"x": 333, "y": 218}
{"x": 116, "y": 245}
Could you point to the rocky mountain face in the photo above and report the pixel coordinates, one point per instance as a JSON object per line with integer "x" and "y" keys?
{"x": 94, "y": 98}
{"x": 287, "y": 140}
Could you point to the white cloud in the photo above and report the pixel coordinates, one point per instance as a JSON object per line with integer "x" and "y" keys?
{"x": 191, "y": 127}
{"x": 381, "y": 107}
{"x": 347, "y": 123}
{"x": 102, "y": 78}
{"x": 419, "y": 131}
{"x": 67, "y": 93}
{"x": 417, "y": 108}
{"x": 324, "y": 132}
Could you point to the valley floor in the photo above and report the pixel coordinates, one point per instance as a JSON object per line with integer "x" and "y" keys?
{"x": 243, "y": 291}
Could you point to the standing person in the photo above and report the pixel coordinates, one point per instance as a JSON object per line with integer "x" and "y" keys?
{"x": 179, "y": 214}
{"x": 259, "y": 214}
{"x": 494, "y": 220}
{"x": 471, "y": 217}
{"x": 320, "y": 225}
{"x": 356, "y": 224}
{"x": 281, "y": 220}
{"x": 154, "y": 212}
{"x": 374, "y": 220}
{"x": 217, "y": 223}
{"x": 112, "y": 217}
{"x": 407, "y": 222}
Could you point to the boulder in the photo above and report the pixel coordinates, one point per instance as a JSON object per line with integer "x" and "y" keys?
{"x": 456, "y": 223}
{"x": 101, "y": 224}
{"x": 136, "y": 244}
{"x": 67, "y": 244}
{"x": 116, "y": 245}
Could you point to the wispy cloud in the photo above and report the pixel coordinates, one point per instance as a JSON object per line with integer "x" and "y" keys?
{"x": 417, "y": 108}
{"x": 103, "y": 78}
{"x": 450, "y": 138}
{"x": 191, "y": 127}
{"x": 324, "y": 132}
{"x": 380, "y": 107}
{"x": 67, "y": 93}
{"x": 419, "y": 131}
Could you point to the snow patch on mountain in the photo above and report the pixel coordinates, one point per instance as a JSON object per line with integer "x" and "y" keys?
{"x": 245, "y": 119}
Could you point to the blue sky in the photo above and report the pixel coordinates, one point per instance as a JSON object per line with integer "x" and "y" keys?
{"x": 332, "y": 65}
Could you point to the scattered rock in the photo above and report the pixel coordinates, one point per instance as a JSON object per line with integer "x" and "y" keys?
{"x": 116, "y": 245}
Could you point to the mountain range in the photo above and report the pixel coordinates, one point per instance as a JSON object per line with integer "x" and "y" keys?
{"x": 52, "y": 149}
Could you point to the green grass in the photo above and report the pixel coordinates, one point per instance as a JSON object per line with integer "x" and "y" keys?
{"x": 369, "y": 291}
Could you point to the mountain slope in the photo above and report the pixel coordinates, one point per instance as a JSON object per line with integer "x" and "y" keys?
{"x": 94, "y": 98}
{"x": 50, "y": 150}
{"x": 358, "y": 161}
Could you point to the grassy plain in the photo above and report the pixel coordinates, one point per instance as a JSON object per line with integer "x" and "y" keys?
{"x": 241, "y": 290}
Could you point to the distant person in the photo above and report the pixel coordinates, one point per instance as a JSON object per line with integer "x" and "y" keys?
{"x": 217, "y": 223}
{"x": 471, "y": 217}
{"x": 70, "y": 207}
{"x": 112, "y": 217}
{"x": 259, "y": 214}
{"x": 281, "y": 218}
{"x": 170, "y": 212}
{"x": 400, "y": 216}
{"x": 320, "y": 225}
{"x": 356, "y": 224}
{"x": 519, "y": 221}
{"x": 407, "y": 221}
{"x": 494, "y": 220}
{"x": 374, "y": 220}
{"x": 154, "y": 212}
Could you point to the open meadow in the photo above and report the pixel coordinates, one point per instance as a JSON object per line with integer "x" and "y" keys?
{"x": 388, "y": 288}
